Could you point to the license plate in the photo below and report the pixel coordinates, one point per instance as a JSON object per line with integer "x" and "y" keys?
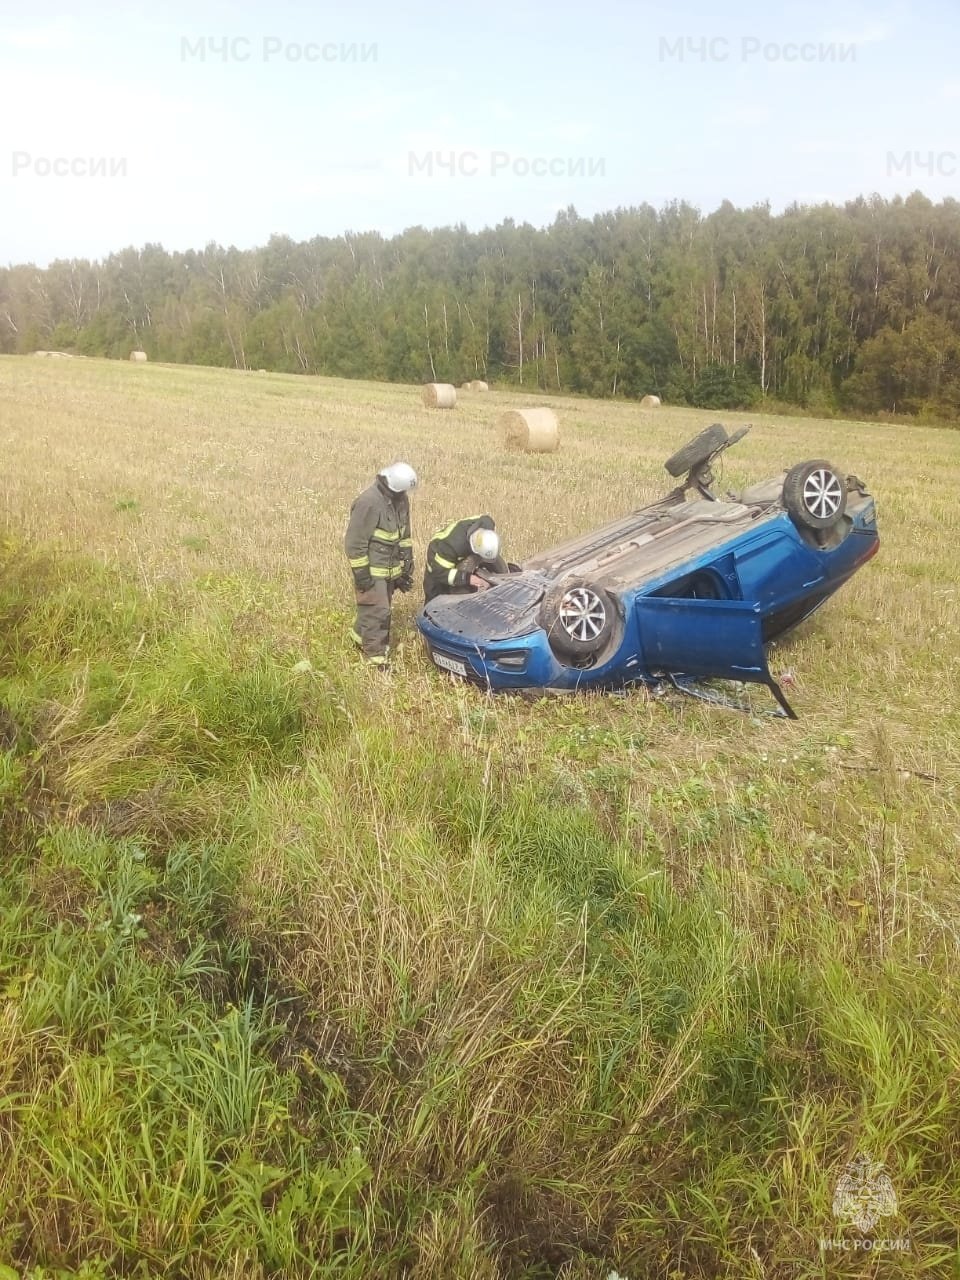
{"x": 450, "y": 664}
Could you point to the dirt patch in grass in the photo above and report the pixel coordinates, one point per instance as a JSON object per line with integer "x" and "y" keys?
{"x": 310, "y": 1042}
{"x": 158, "y": 817}
{"x": 62, "y": 893}
{"x": 9, "y": 730}
{"x": 535, "y": 1227}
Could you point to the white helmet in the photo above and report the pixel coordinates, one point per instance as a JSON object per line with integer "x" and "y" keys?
{"x": 400, "y": 477}
{"x": 485, "y": 543}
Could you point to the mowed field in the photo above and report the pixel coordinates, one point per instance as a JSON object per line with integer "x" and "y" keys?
{"x": 309, "y": 972}
{"x": 176, "y": 474}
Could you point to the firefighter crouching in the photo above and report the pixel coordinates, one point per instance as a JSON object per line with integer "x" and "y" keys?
{"x": 380, "y": 551}
{"x": 457, "y": 552}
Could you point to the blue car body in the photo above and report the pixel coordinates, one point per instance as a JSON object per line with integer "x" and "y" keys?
{"x": 696, "y": 589}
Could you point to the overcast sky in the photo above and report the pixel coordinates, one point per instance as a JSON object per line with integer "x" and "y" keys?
{"x": 232, "y": 121}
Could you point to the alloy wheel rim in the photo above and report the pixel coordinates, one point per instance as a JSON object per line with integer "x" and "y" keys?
{"x": 822, "y": 493}
{"x": 582, "y": 614}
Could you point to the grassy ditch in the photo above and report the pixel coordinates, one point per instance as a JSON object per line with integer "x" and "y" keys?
{"x": 304, "y": 972}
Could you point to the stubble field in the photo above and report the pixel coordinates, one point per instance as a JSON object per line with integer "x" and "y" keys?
{"x": 305, "y": 972}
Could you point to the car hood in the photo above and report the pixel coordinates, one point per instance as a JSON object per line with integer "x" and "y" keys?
{"x": 502, "y": 612}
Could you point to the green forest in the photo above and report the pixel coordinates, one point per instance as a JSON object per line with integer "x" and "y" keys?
{"x": 852, "y": 308}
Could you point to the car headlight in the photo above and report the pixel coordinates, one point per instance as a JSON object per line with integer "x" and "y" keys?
{"x": 515, "y": 660}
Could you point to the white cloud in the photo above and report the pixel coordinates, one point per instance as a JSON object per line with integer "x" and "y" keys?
{"x": 826, "y": 146}
{"x": 500, "y": 111}
{"x": 743, "y": 117}
{"x": 870, "y": 32}
{"x": 343, "y": 184}
{"x": 58, "y": 34}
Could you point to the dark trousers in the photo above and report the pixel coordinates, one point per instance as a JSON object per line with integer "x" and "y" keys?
{"x": 372, "y": 627}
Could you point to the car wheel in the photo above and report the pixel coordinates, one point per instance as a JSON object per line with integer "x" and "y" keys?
{"x": 578, "y": 618}
{"x": 697, "y": 451}
{"x": 814, "y": 494}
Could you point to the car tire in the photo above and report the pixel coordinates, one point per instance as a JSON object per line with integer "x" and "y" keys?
{"x": 579, "y": 618}
{"x": 697, "y": 451}
{"x": 814, "y": 494}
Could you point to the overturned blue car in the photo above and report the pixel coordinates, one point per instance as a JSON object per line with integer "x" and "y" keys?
{"x": 691, "y": 588}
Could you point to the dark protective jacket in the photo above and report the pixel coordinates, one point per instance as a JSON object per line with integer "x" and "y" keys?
{"x": 448, "y": 548}
{"x": 377, "y": 541}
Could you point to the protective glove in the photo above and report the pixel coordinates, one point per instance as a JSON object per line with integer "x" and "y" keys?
{"x": 363, "y": 579}
{"x": 403, "y": 583}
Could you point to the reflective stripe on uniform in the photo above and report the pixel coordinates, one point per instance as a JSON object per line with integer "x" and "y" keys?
{"x": 452, "y": 577}
{"x": 377, "y": 572}
{"x": 444, "y": 564}
{"x": 406, "y": 542}
{"x": 397, "y": 571}
{"x": 354, "y": 637}
{"x": 360, "y": 562}
{"x": 385, "y": 535}
{"x": 445, "y": 533}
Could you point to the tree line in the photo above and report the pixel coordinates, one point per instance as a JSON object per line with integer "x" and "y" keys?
{"x": 833, "y": 308}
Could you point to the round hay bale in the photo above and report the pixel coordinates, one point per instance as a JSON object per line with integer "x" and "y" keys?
{"x": 466, "y": 386}
{"x": 439, "y": 395}
{"x": 530, "y": 430}
{"x": 479, "y": 385}
{"x": 650, "y": 402}
{"x": 138, "y": 357}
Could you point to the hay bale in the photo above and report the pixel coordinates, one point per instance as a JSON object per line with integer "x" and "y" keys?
{"x": 439, "y": 395}
{"x": 138, "y": 357}
{"x": 530, "y": 430}
{"x": 650, "y": 402}
{"x": 476, "y": 385}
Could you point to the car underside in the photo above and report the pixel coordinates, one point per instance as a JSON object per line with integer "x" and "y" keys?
{"x": 691, "y": 587}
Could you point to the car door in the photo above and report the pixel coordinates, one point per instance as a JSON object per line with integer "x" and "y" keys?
{"x": 702, "y": 638}
{"x": 719, "y": 639}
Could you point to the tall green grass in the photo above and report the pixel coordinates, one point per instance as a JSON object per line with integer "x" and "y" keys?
{"x": 306, "y": 974}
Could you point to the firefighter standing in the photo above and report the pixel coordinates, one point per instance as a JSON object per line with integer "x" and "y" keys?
{"x": 380, "y": 551}
{"x": 456, "y": 552}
